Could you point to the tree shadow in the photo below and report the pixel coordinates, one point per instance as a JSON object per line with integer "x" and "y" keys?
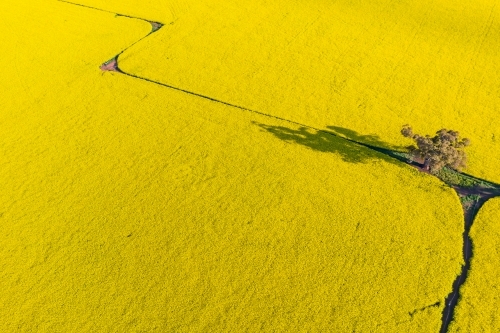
{"x": 369, "y": 140}
{"x": 325, "y": 141}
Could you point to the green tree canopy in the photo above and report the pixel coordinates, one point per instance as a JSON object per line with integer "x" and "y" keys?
{"x": 445, "y": 149}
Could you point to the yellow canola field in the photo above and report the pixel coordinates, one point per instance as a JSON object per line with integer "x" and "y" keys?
{"x": 477, "y": 310}
{"x": 363, "y": 66}
{"x": 164, "y": 11}
{"x": 126, "y": 206}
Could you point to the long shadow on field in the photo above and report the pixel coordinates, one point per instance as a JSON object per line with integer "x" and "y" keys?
{"x": 326, "y": 141}
{"x": 369, "y": 140}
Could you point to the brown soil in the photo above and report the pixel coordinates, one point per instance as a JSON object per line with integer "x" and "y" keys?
{"x": 111, "y": 65}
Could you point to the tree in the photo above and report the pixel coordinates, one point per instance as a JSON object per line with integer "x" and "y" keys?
{"x": 445, "y": 149}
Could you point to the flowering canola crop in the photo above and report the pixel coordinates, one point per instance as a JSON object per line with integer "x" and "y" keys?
{"x": 126, "y": 206}
{"x": 477, "y": 310}
{"x": 366, "y": 66}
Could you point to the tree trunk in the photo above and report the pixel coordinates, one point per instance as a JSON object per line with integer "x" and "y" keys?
{"x": 427, "y": 164}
